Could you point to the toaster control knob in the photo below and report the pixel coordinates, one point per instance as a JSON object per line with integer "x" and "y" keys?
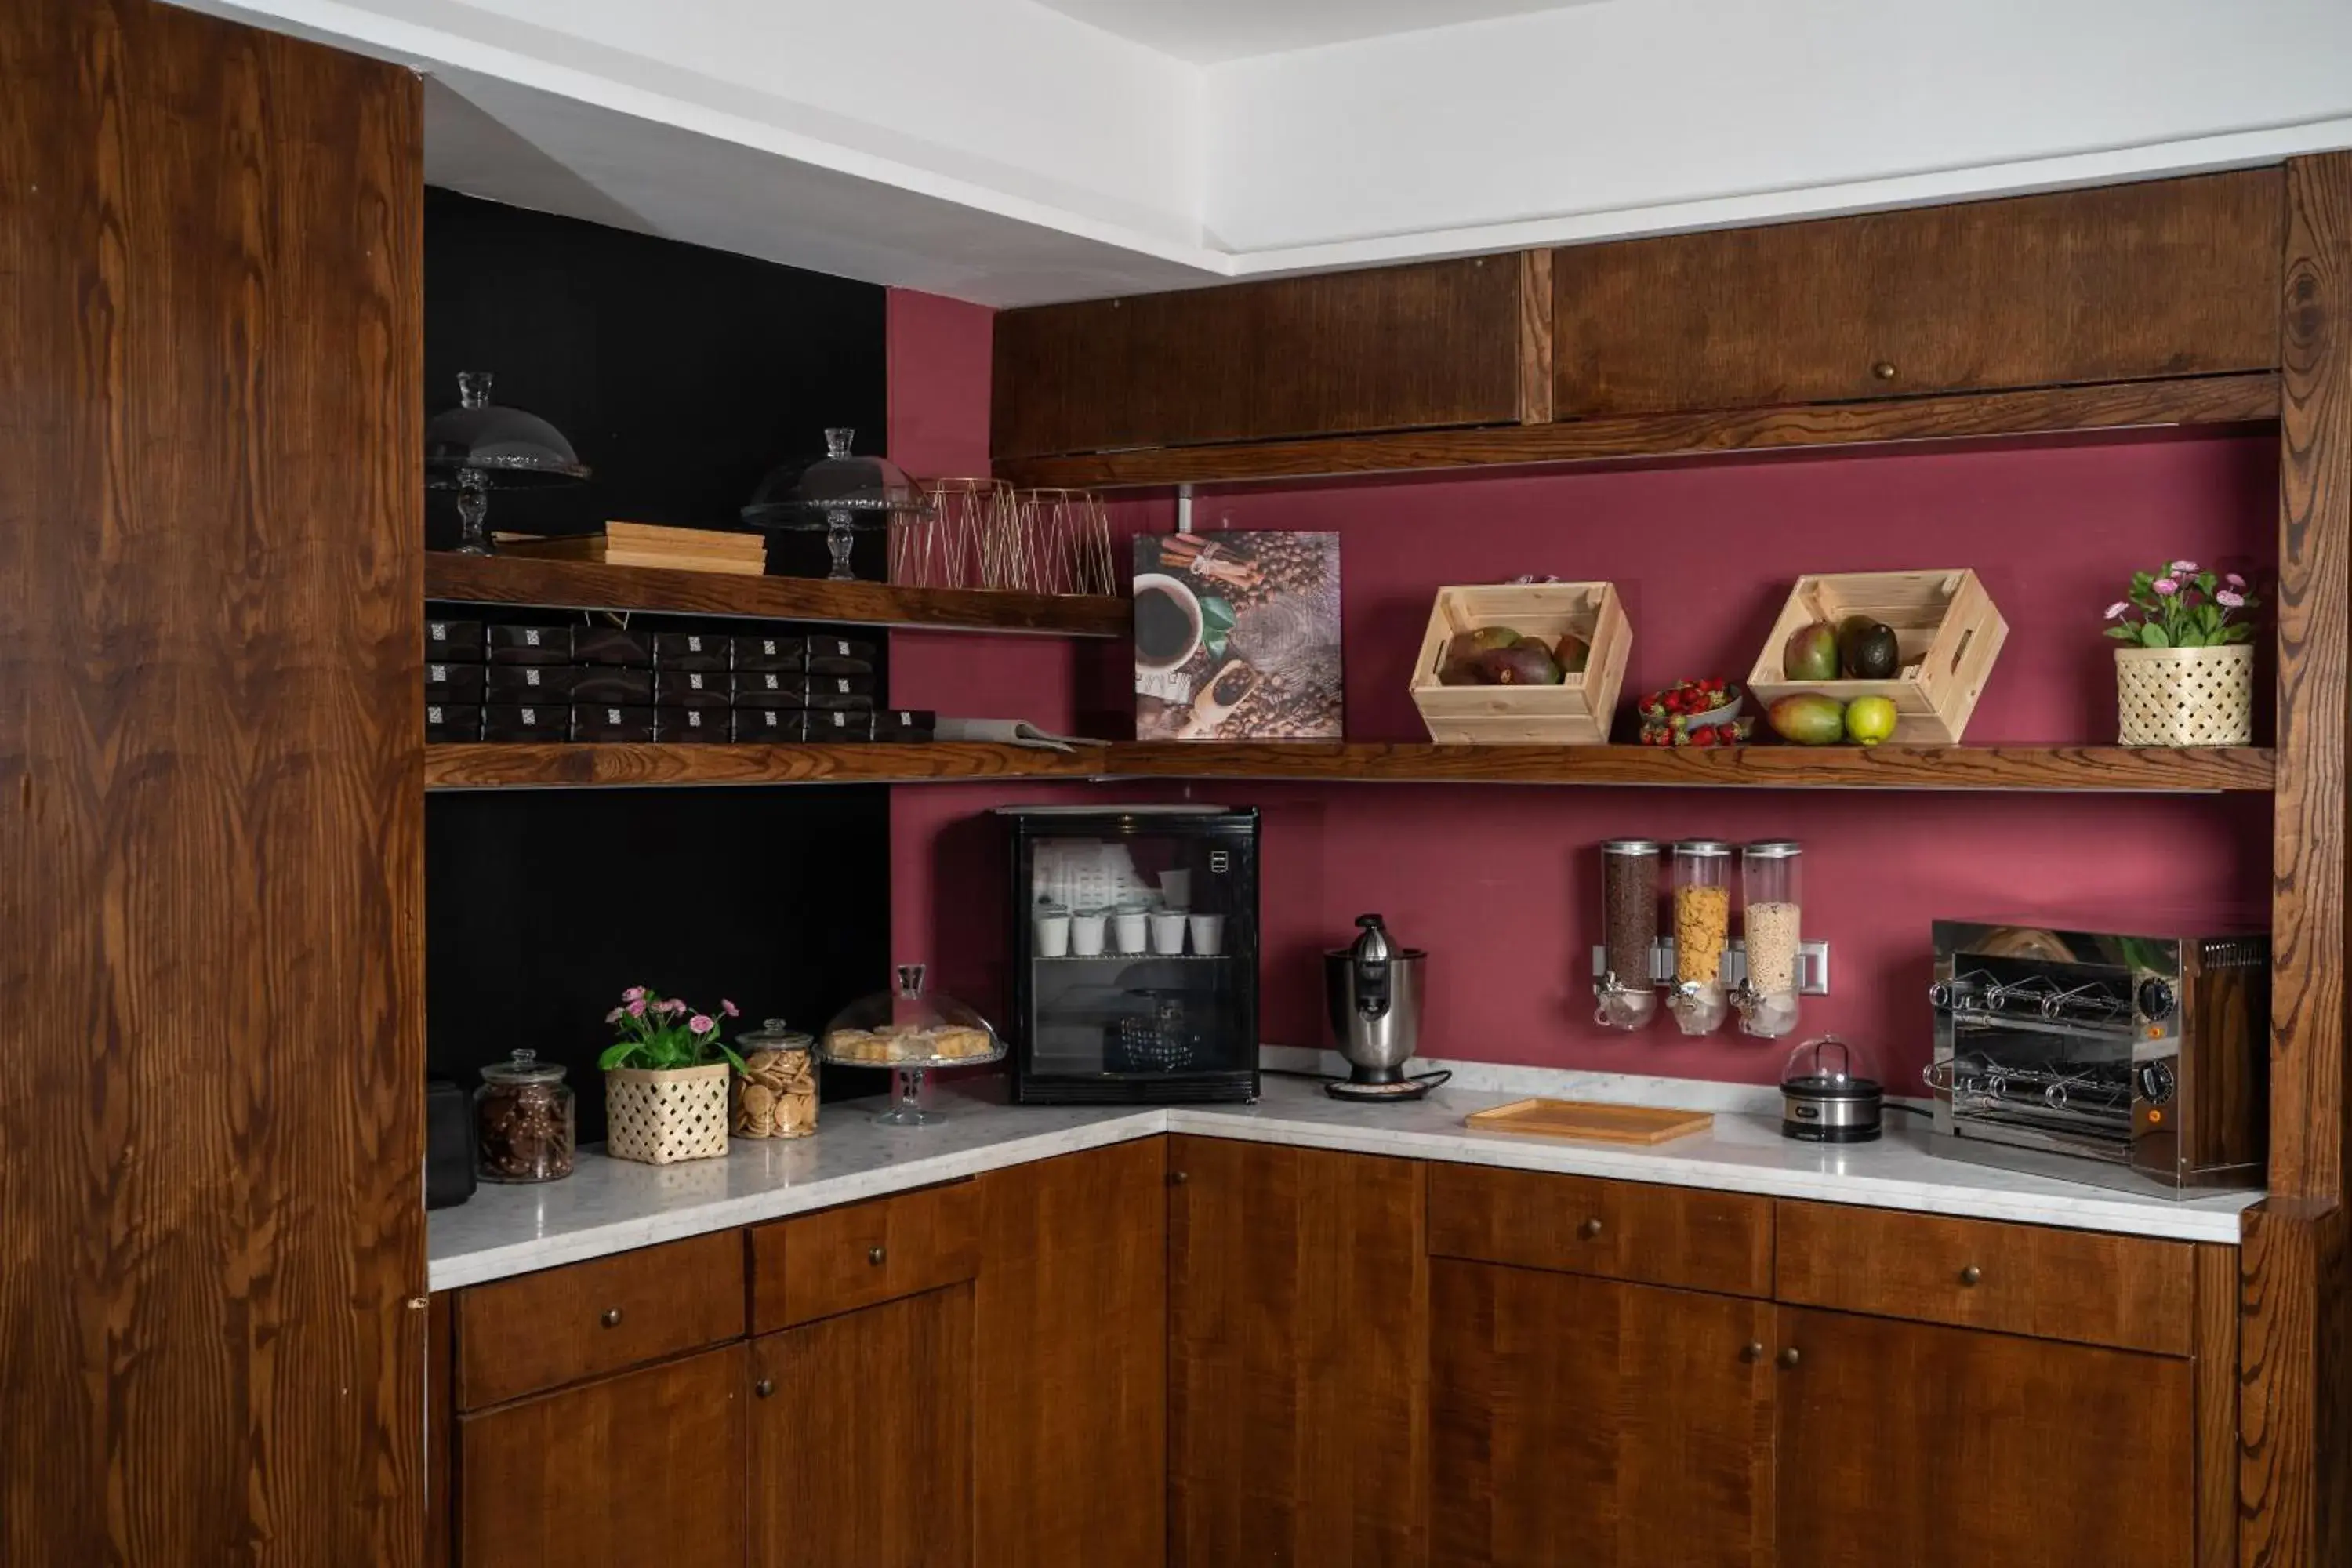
{"x": 2156, "y": 1082}
{"x": 2155, "y": 1000}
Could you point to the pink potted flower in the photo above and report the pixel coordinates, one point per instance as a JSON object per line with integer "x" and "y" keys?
{"x": 2185, "y": 675}
{"x": 665, "y": 1080}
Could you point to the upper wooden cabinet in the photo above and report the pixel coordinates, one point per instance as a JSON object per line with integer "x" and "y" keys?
{"x": 2166, "y": 278}
{"x": 1419, "y": 347}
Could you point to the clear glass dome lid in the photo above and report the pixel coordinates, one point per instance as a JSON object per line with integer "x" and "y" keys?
{"x": 840, "y": 492}
{"x": 911, "y": 1030}
{"x": 507, "y": 446}
{"x": 1829, "y": 1066}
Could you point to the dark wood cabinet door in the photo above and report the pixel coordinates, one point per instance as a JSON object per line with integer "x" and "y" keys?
{"x": 2164, "y": 279}
{"x": 861, "y": 1439}
{"x": 1298, "y": 1343}
{"x": 1396, "y": 348}
{"x": 1071, "y": 1409}
{"x": 647, "y": 1466}
{"x": 1582, "y": 1420}
{"x": 1939, "y": 1447}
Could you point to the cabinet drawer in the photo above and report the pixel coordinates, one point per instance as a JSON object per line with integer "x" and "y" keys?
{"x": 540, "y": 1331}
{"x": 1616, "y": 1230}
{"x": 2121, "y": 1290}
{"x": 814, "y": 1265}
{"x": 2163, "y": 279}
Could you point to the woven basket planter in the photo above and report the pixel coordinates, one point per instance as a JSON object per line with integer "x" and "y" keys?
{"x": 2185, "y": 696}
{"x": 660, "y": 1117}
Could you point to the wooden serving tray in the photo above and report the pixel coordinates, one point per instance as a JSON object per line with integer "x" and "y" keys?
{"x": 1590, "y": 1120}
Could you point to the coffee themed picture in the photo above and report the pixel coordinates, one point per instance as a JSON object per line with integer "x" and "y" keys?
{"x": 1237, "y": 636}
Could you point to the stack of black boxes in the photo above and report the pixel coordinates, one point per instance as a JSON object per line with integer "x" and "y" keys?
{"x": 616, "y": 684}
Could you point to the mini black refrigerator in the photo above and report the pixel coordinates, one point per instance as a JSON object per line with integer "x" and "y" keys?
{"x": 1135, "y": 954}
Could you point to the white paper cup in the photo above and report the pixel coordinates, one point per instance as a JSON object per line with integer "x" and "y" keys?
{"x": 1129, "y": 931}
{"x": 1052, "y": 936}
{"x": 1168, "y": 935}
{"x": 1087, "y": 935}
{"x": 1176, "y": 889}
{"x": 1207, "y": 935}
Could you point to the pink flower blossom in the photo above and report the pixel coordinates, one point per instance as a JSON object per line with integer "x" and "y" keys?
{"x": 673, "y": 1007}
{"x": 633, "y": 994}
{"x": 2116, "y": 610}
{"x": 2167, "y": 586}
{"x": 638, "y": 1008}
{"x": 2235, "y": 582}
{"x": 700, "y": 1023}
{"x": 2180, "y": 568}
{"x": 2233, "y": 601}
{"x": 728, "y": 1008}
{"x": 614, "y": 1017}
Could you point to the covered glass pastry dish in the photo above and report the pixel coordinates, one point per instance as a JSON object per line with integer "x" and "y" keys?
{"x": 840, "y": 492}
{"x": 910, "y": 1030}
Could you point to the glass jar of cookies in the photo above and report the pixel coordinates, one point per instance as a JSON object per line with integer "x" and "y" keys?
{"x": 775, "y": 1094}
{"x": 911, "y": 1030}
{"x": 523, "y": 1120}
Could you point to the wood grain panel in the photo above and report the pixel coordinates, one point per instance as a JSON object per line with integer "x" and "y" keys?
{"x": 2095, "y": 769}
{"x": 1580, "y": 1420}
{"x": 2217, "y": 400}
{"x": 643, "y": 1467}
{"x": 1393, "y": 348}
{"x": 2294, "y": 1375}
{"x": 536, "y": 1331}
{"x": 1618, "y": 1230}
{"x": 2215, "y": 1353}
{"x": 1297, "y": 1345}
{"x": 1973, "y": 1449}
{"x": 1535, "y": 337}
{"x": 440, "y": 1431}
{"x": 591, "y": 585}
{"x": 2168, "y": 277}
{"x": 862, "y": 1439}
{"x": 2124, "y": 1290}
{"x": 838, "y": 1260}
{"x": 210, "y": 1118}
{"x": 1072, "y": 1423}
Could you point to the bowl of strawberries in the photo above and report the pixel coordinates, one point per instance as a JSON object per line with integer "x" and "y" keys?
{"x": 1695, "y": 713}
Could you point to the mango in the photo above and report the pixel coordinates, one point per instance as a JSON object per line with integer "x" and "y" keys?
{"x": 1808, "y": 719}
{"x": 1812, "y": 653}
{"x": 1574, "y": 653}
{"x": 1521, "y": 664}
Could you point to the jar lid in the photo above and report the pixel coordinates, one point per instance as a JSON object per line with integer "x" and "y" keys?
{"x": 1772, "y": 850}
{"x": 773, "y": 1036}
{"x": 523, "y": 1067}
{"x": 1630, "y": 847}
{"x": 1701, "y": 848}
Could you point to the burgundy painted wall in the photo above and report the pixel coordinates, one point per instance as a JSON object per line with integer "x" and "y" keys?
{"x": 1501, "y": 883}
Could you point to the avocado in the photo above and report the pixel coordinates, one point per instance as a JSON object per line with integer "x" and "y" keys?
{"x": 1849, "y": 632}
{"x": 1812, "y": 653}
{"x": 1808, "y": 719}
{"x": 1574, "y": 653}
{"x": 1521, "y": 664}
{"x": 1874, "y": 654}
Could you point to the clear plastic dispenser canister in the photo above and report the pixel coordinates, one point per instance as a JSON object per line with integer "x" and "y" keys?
{"x": 1773, "y": 904}
{"x": 1702, "y": 933}
{"x": 1629, "y": 909}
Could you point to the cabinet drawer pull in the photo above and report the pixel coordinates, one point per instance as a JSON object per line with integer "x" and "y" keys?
{"x": 610, "y": 1317}
{"x": 1789, "y": 1357}
{"x": 1752, "y": 1352}
{"x": 1177, "y": 1178}
{"x": 875, "y": 1256}
{"x": 1589, "y": 1229}
{"x": 1971, "y": 1275}
{"x": 1883, "y": 370}
{"x": 764, "y": 1387}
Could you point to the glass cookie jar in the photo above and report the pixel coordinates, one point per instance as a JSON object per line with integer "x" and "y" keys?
{"x": 775, "y": 1094}
{"x": 523, "y": 1120}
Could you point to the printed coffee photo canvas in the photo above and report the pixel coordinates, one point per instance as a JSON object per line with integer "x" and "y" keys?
{"x": 1237, "y": 636}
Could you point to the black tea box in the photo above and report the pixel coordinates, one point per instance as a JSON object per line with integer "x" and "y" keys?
{"x": 686, "y": 726}
{"x": 905, "y": 725}
{"x": 842, "y": 693}
{"x": 615, "y": 646}
{"x": 452, "y": 721}
{"x": 531, "y": 682}
{"x": 765, "y": 724}
{"x": 453, "y": 642}
{"x": 611, "y": 687}
{"x": 841, "y": 647}
{"x": 530, "y": 645}
{"x": 700, "y": 651}
{"x": 836, "y": 727}
{"x": 612, "y": 724}
{"x": 765, "y": 687}
{"x": 454, "y": 683}
{"x": 526, "y": 721}
{"x": 769, "y": 655}
{"x": 827, "y": 664}
{"x": 689, "y": 689}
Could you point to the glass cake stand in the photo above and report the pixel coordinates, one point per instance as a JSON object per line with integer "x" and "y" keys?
{"x": 910, "y": 1031}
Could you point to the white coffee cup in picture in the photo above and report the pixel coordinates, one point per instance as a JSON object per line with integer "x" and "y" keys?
{"x": 1052, "y": 936}
{"x": 1207, "y": 935}
{"x": 1176, "y": 889}
{"x": 1168, "y": 934}
{"x": 1087, "y": 934}
{"x": 1128, "y": 929}
{"x": 1166, "y": 621}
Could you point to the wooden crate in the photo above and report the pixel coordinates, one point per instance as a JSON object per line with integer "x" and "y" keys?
{"x": 1575, "y": 713}
{"x": 1946, "y": 627}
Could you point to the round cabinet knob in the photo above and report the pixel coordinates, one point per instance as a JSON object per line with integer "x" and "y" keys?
{"x": 1883, "y": 370}
{"x": 1789, "y": 1357}
{"x": 1972, "y": 1274}
{"x": 875, "y": 1256}
{"x": 2156, "y": 999}
{"x": 609, "y": 1318}
{"x": 1177, "y": 1178}
{"x": 1589, "y": 1229}
{"x": 1752, "y": 1352}
{"x": 764, "y": 1387}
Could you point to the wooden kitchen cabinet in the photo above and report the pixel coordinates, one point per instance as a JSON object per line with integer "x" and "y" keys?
{"x": 2168, "y": 277}
{"x": 1298, "y": 1346}
{"x": 1585, "y": 1420}
{"x": 646, "y": 1466}
{"x": 1944, "y": 1448}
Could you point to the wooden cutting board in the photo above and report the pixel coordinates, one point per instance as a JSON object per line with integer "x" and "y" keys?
{"x": 1590, "y": 1120}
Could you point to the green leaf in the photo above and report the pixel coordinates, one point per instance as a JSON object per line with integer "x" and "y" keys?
{"x": 732, "y": 1059}
{"x": 2189, "y": 639}
{"x": 1216, "y": 614}
{"x": 2152, "y": 636}
{"x": 2124, "y": 633}
{"x": 616, "y": 1055}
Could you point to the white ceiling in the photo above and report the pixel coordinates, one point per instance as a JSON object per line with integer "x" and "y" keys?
{"x": 1208, "y": 31}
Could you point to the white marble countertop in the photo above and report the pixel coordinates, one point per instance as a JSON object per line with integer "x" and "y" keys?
{"x": 611, "y": 1205}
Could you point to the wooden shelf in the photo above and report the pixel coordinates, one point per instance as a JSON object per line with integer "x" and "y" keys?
{"x": 2222, "y": 400}
{"x": 587, "y": 586}
{"x": 2077, "y": 769}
